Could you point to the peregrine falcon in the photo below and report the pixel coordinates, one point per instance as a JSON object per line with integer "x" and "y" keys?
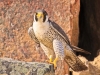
{"x": 54, "y": 42}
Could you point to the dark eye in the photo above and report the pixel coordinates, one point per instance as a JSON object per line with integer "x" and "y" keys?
{"x": 44, "y": 12}
{"x": 36, "y": 16}
{"x": 36, "y": 13}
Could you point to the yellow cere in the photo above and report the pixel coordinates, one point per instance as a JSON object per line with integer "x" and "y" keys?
{"x": 39, "y": 15}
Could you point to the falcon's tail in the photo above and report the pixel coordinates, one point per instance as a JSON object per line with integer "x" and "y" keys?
{"x": 77, "y": 49}
{"x": 74, "y": 62}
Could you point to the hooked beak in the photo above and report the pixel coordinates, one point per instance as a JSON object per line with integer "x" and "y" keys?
{"x": 39, "y": 15}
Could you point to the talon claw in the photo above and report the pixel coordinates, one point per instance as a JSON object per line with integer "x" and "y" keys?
{"x": 53, "y": 62}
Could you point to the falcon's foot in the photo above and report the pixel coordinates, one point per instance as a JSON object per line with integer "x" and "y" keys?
{"x": 53, "y": 62}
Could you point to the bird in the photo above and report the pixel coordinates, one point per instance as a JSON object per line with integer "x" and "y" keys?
{"x": 54, "y": 41}
{"x": 33, "y": 37}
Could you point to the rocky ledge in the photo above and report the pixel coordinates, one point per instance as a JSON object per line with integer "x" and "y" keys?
{"x": 9, "y": 66}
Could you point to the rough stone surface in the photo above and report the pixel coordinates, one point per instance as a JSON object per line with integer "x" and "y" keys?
{"x": 74, "y": 21}
{"x": 93, "y": 66}
{"x": 9, "y": 66}
{"x": 16, "y": 16}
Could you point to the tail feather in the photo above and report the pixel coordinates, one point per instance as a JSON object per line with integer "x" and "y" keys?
{"x": 77, "y": 49}
{"x": 74, "y": 62}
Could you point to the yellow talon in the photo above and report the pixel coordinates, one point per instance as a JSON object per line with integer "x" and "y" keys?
{"x": 55, "y": 63}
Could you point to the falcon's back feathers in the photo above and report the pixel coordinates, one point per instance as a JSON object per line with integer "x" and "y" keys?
{"x": 57, "y": 28}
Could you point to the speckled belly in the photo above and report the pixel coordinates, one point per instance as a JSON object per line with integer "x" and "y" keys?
{"x": 48, "y": 37}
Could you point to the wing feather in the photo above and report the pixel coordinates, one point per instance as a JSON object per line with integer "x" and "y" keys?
{"x": 71, "y": 59}
{"x": 57, "y": 28}
{"x": 32, "y": 35}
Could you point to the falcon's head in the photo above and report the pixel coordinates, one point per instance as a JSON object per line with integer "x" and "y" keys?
{"x": 40, "y": 16}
